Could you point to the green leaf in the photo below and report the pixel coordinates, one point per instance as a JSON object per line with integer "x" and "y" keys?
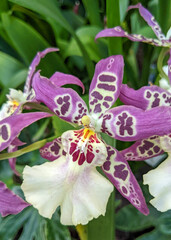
{"x": 95, "y": 51}
{"x": 60, "y": 126}
{"x": 156, "y": 234}
{"x": 164, "y": 223}
{"x": 50, "y": 10}
{"x": 128, "y": 217}
{"x": 93, "y": 12}
{"x": 12, "y": 72}
{"x": 29, "y": 43}
{"x": 55, "y": 230}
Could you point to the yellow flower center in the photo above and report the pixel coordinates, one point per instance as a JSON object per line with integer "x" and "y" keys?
{"x": 85, "y": 121}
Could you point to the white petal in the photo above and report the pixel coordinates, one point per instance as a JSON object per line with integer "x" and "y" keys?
{"x": 89, "y": 197}
{"x": 154, "y": 161}
{"x": 168, "y": 35}
{"x": 43, "y": 186}
{"x": 163, "y": 83}
{"x": 159, "y": 181}
{"x": 81, "y": 192}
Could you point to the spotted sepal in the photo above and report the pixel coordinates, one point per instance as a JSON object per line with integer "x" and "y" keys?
{"x": 145, "y": 97}
{"x": 52, "y": 150}
{"x": 84, "y": 147}
{"x": 60, "y": 79}
{"x": 10, "y": 127}
{"x": 143, "y": 149}
{"x": 128, "y": 123}
{"x": 149, "y": 18}
{"x": 169, "y": 67}
{"x": 119, "y": 173}
{"x": 106, "y": 84}
{"x": 119, "y": 32}
{"x": 12, "y": 148}
{"x": 33, "y": 66}
{"x": 64, "y": 102}
{"x": 9, "y": 202}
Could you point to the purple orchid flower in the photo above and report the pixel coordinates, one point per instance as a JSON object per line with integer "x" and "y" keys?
{"x": 71, "y": 179}
{"x": 158, "y": 179}
{"x": 12, "y": 122}
{"x": 161, "y": 41}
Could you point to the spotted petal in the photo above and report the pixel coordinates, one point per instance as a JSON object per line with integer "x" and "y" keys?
{"x": 10, "y": 127}
{"x": 143, "y": 149}
{"x": 119, "y": 32}
{"x": 106, "y": 84}
{"x": 119, "y": 173}
{"x": 149, "y": 18}
{"x": 159, "y": 181}
{"x": 145, "y": 97}
{"x": 12, "y": 148}
{"x": 82, "y": 193}
{"x": 129, "y": 123}
{"x": 60, "y": 79}
{"x": 33, "y": 66}
{"x": 9, "y": 202}
{"x": 52, "y": 150}
{"x": 64, "y": 102}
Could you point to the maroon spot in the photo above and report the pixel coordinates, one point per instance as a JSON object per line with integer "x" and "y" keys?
{"x": 89, "y": 156}
{"x": 81, "y": 159}
{"x": 107, "y": 98}
{"x": 75, "y": 155}
{"x": 4, "y": 132}
{"x": 97, "y": 95}
{"x": 148, "y": 95}
{"x": 164, "y": 95}
{"x": 65, "y": 108}
{"x": 106, "y": 165}
{"x": 106, "y": 87}
{"x": 59, "y": 100}
{"x": 63, "y": 153}
{"x": 79, "y": 105}
{"x": 124, "y": 190}
{"x": 97, "y": 108}
{"x": 150, "y": 153}
{"x": 66, "y": 98}
{"x": 146, "y": 146}
{"x": 120, "y": 172}
{"x": 156, "y": 149}
{"x": 107, "y": 78}
{"x": 97, "y": 151}
{"x": 57, "y": 112}
{"x": 106, "y": 104}
{"x": 72, "y": 148}
{"x": 55, "y": 148}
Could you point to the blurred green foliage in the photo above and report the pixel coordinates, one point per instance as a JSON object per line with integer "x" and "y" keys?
{"x": 29, "y": 26}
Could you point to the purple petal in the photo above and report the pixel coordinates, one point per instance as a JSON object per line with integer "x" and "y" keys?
{"x": 10, "y": 127}
{"x": 143, "y": 149}
{"x": 145, "y": 97}
{"x": 12, "y": 148}
{"x": 119, "y": 173}
{"x": 119, "y": 32}
{"x": 64, "y": 102}
{"x": 128, "y": 123}
{"x": 106, "y": 84}
{"x": 149, "y": 18}
{"x": 59, "y": 79}
{"x": 52, "y": 150}
{"x": 9, "y": 202}
{"x": 34, "y": 64}
{"x": 169, "y": 67}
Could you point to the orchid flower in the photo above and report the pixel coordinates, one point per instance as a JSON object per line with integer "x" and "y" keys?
{"x": 71, "y": 179}
{"x": 158, "y": 179}
{"x": 12, "y": 122}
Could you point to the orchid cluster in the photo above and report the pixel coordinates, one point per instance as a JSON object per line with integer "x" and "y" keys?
{"x": 70, "y": 178}
{"x": 147, "y": 98}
